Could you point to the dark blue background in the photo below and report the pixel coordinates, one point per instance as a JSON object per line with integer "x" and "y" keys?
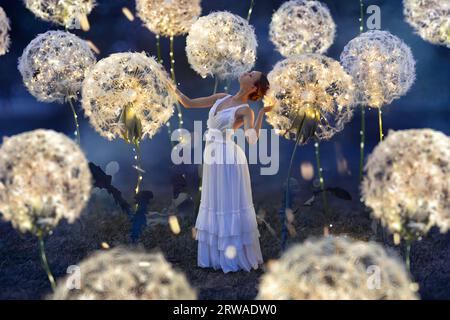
{"x": 425, "y": 105}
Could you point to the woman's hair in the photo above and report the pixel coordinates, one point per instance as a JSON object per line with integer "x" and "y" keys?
{"x": 262, "y": 85}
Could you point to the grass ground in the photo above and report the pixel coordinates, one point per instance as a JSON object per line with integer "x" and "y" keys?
{"x": 21, "y": 276}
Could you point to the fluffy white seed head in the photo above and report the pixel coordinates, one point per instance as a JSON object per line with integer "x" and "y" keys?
{"x": 127, "y": 274}
{"x": 310, "y": 84}
{"x": 333, "y": 268}
{"x": 168, "y": 18}
{"x": 44, "y": 177}
{"x": 54, "y": 64}
{"x": 302, "y": 26}
{"x": 221, "y": 44}
{"x": 407, "y": 182}
{"x": 430, "y": 18}
{"x": 382, "y": 67}
{"x": 67, "y": 13}
{"x": 127, "y": 79}
{"x": 4, "y": 32}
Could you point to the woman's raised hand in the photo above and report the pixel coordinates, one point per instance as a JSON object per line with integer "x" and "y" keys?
{"x": 267, "y": 109}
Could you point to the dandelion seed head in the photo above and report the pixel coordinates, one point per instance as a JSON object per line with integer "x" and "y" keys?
{"x": 168, "y": 18}
{"x": 407, "y": 182}
{"x": 54, "y": 64}
{"x": 382, "y": 67}
{"x": 4, "y": 32}
{"x": 66, "y": 13}
{"x": 127, "y": 79}
{"x": 127, "y": 274}
{"x": 430, "y": 19}
{"x": 333, "y": 268}
{"x": 310, "y": 84}
{"x": 302, "y": 26}
{"x": 44, "y": 177}
{"x": 221, "y": 44}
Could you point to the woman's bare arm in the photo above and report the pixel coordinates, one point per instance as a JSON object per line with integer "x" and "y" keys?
{"x": 202, "y": 102}
{"x": 251, "y": 127}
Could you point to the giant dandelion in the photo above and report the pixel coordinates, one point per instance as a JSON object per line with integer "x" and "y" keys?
{"x": 383, "y": 69}
{"x": 312, "y": 97}
{"x": 334, "y": 268}
{"x": 222, "y": 45}
{"x": 127, "y": 274}
{"x": 430, "y": 18}
{"x": 4, "y": 32}
{"x": 71, "y": 14}
{"x": 302, "y": 26}
{"x": 407, "y": 183}
{"x": 125, "y": 95}
{"x": 53, "y": 67}
{"x": 169, "y": 19}
{"x": 44, "y": 177}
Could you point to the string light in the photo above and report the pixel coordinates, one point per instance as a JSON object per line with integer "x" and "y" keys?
{"x": 430, "y": 18}
{"x": 71, "y": 14}
{"x": 125, "y": 95}
{"x": 382, "y": 67}
{"x": 53, "y": 67}
{"x": 44, "y": 177}
{"x": 222, "y": 45}
{"x": 4, "y": 32}
{"x": 334, "y": 268}
{"x": 407, "y": 183}
{"x": 127, "y": 274}
{"x": 302, "y": 26}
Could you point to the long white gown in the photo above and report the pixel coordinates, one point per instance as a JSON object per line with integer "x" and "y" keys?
{"x": 227, "y": 232}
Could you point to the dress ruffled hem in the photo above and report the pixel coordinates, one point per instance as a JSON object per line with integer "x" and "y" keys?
{"x": 227, "y": 223}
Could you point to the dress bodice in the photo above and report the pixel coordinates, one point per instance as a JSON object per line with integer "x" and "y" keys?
{"x": 222, "y": 119}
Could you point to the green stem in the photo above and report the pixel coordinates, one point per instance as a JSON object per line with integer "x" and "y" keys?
{"x": 250, "y": 10}
{"x": 158, "y": 49}
{"x": 44, "y": 261}
{"x": 172, "y": 73}
{"x": 408, "y": 254}
{"x": 75, "y": 117}
{"x": 216, "y": 84}
{"x": 362, "y": 142}
{"x": 137, "y": 157}
{"x": 380, "y": 123}
{"x": 227, "y": 85}
{"x": 363, "y": 110}
{"x": 321, "y": 182}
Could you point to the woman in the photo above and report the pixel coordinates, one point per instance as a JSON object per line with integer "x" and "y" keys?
{"x": 227, "y": 232}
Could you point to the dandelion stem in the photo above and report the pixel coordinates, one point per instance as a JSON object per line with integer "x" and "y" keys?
{"x": 250, "y": 10}
{"x": 137, "y": 157}
{"x": 172, "y": 73}
{"x": 44, "y": 261}
{"x": 158, "y": 49}
{"x": 408, "y": 254}
{"x": 363, "y": 110}
{"x": 216, "y": 84}
{"x": 380, "y": 123}
{"x": 287, "y": 200}
{"x": 75, "y": 117}
{"x": 322, "y": 184}
{"x": 362, "y": 142}
{"x": 227, "y": 85}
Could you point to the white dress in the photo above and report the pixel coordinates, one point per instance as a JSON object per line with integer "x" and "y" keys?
{"x": 227, "y": 232}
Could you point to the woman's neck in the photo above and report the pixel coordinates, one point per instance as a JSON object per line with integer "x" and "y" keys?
{"x": 241, "y": 96}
